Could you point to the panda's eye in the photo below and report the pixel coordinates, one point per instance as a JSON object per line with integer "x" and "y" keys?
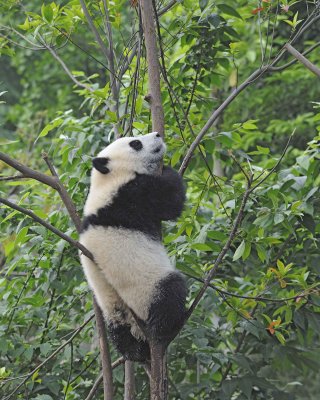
{"x": 136, "y": 144}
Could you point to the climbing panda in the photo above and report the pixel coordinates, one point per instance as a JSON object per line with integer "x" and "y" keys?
{"x": 139, "y": 291}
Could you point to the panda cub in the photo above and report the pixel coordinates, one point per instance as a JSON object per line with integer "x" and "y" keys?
{"x": 132, "y": 272}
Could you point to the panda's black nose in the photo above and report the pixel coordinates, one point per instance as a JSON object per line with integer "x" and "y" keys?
{"x": 158, "y": 135}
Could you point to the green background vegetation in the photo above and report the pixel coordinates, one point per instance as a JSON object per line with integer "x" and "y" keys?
{"x": 232, "y": 347}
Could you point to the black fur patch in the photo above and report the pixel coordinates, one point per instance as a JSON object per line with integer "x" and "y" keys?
{"x": 131, "y": 348}
{"x": 143, "y": 203}
{"x": 167, "y": 311}
{"x": 100, "y": 164}
{"x": 136, "y": 144}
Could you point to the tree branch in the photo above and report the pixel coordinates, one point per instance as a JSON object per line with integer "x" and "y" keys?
{"x": 166, "y": 8}
{"x": 129, "y": 384}
{"x": 28, "y": 172}
{"x": 284, "y": 66}
{"x": 12, "y": 178}
{"x": 111, "y": 59}
{"x": 51, "y": 228}
{"x": 65, "y": 68}
{"x": 104, "y": 348}
{"x": 300, "y": 57}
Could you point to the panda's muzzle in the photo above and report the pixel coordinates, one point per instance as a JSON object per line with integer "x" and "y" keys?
{"x": 157, "y": 150}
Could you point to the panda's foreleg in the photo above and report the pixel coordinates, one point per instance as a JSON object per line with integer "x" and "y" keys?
{"x": 167, "y": 310}
{"x": 124, "y": 332}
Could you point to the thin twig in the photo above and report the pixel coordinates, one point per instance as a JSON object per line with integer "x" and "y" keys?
{"x": 65, "y": 68}
{"x": 12, "y": 178}
{"x": 256, "y": 298}
{"x": 166, "y": 8}
{"x": 275, "y": 167}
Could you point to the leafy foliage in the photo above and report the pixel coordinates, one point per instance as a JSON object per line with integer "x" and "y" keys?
{"x": 255, "y": 334}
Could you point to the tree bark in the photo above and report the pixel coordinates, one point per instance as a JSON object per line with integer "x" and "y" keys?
{"x": 129, "y": 384}
{"x": 154, "y": 96}
{"x": 158, "y": 378}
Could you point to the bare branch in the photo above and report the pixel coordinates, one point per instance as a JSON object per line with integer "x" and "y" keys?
{"x": 52, "y": 355}
{"x": 12, "y": 178}
{"x": 65, "y": 68}
{"x": 276, "y": 165}
{"x": 104, "y": 348}
{"x": 64, "y": 195}
{"x": 166, "y": 8}
{"x": 256, "y": 298}
{"x": 150, "y": 36}
{"x": 282, "y": 67}
{"x": 129, "y": 384}
{"x": 111, "y": 59}
{"x": 51, "y": 228}
{"x": 308, "y": 64}
{"x": 28, "y": 172}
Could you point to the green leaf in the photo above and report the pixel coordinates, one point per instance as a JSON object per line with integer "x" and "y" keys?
{"x": 4, "y": 141}
{"x": 240, "y": 250}
{"x": 47, "y": 12}
{"x": 249, "y": 126}
{"x": 201, "y": 246}
{"x": 48, "y": 128}
{"x": 175, "y": 157}
{"x": 203, "y": 4}
{"x": 229, "y": 10}
{"x": 247, "y": 251}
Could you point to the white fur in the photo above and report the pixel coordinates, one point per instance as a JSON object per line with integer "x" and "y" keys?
{"x": 131, "y": 263}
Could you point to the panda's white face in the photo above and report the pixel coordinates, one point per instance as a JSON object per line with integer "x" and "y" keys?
{"x": 140, "y": 154}
{"x": 118, "y": 164}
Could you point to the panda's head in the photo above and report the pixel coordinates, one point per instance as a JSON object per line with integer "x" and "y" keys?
{"x": 142, "y": 154}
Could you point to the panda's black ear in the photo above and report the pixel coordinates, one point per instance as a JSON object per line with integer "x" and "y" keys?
{"x": 100, "y": 164}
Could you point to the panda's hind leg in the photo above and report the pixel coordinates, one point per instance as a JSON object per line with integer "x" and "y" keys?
{"x": 167, "y": 310}
{"x": 132, "y": 348}
{"x": 124, "y": 332}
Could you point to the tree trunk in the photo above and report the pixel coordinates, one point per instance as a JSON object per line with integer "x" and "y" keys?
{"x": 150, "y": 37}
{"x": 158, "y": 379}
